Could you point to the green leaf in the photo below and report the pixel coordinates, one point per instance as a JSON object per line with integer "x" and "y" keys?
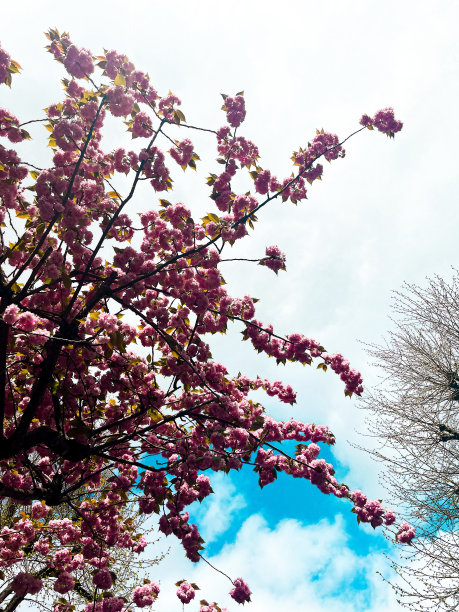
{"x": 66, "y": 280}
{"x": 120, "y": 80}
{"x": 180, "y": 115}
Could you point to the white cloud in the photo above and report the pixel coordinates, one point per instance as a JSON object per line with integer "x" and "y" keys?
{"x": 217, "y": 512}
{"x": 292, "y": 567}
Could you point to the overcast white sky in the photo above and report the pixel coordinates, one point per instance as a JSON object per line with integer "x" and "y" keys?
{"x": 385, "y": 214}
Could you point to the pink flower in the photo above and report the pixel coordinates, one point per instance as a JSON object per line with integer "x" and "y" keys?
{"x": 108, "y": 604}
{"x": 67, "y": 134}
{"x": 24, "y": 583}
{"x": 384, "y": 121}
{"x": 103, "y": 579}
{"x": 145, "y": 595}
{"x": 4, "y": 65}
{"x": 185, "y": 592}
{"x": 78, "y": 62}
{"x": 117, "y": 62}
{"x": 366, "y": 121}
{"x": 42, "y": 546}
{"x": 167, "y": 106}
{"x": 40, "y": 510}
{"x": 11, "y": 314}
{"x": 142, "y": 126}
{"x": 389, "y": 517}
{"x": 262, "y": 181}
{"x": 359, "y": 498}
{"x": 235, "y": 110}
{"x": 27, "y": 321}
{"x": 9, "y": 127}
{"x": 120, "y": 103}
{"x": 241, "y": 591}
{"x": 274, "y": 260}
{"x": 64, "y": 583}
{"x": 74, "y": 90}
{"x": 183, "y": 153}
{"x": 223, "y": 132}
{"x": 405, "y": 533}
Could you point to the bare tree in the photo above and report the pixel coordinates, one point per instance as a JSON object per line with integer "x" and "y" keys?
{"x": 414, "y": 415}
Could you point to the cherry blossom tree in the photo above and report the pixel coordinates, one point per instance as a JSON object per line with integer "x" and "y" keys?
{"x": 112, "y": 397}
{"x": 127, "y": 567}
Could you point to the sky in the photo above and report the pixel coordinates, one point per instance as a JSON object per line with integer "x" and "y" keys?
{"x": 385, "y": 214}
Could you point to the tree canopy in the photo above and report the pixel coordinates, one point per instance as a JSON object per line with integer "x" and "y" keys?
{"x": 111, "y": 395}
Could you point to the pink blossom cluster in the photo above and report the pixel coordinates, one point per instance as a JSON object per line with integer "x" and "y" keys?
{"x": 178, "y": 524}
{"x": 142, "y": 126}
{"x": 145, "y": 595}
{"x": 306, "y": 465}
{"x": 405, "y": 533}
{"x": 371, "y": 511}
{"x": 9, "y": 126}
{"x": 68, "y": 134}
{"x": 384, "y": 121}
{"x": 264, "y": 182}
{"x": 74, "y": 91}
{"x": 275, "y": 431}
{"x": 103, "y": 579}
{"x": 284, "y": 392}
{"x": 167, "y": 106}
{"x": 120, "y": 101}
{"x": 124, "y": 162}
{"x": 64, "y": 583}
{"x": 116, "y": 64}
{"x": 295, "y": 189}
{"x": 78, "y": 62}
{"x": 11, "y": 175}
{"x": 323, "y": 144}
{"x": 60, "y": 606}
{"x": 13, "y": 541}
{"x": 63, "y": 558}
{"x": 108, "y": 604}
{"x": 299, "y": 348}
{"x": 5, "y": 60}
{"x": 235, "y": 110}
{"x": 243, "y": 205}
{"x": 183, "y": 152}
{"x": 40, "y": 510}
{"x": 155, "y": 169}
{"x": 221, "y": 186}
{"x": 185, "y": 592}
{"x": 295, "y": 347}
{"x": 352, "y": 378}
{"x": 274, "y": 260}
{"x": 227, "y": 229}
{"x": 26, "y": 584}
{"x": 241, "y": 592}
{"x": 239, "y": 148}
